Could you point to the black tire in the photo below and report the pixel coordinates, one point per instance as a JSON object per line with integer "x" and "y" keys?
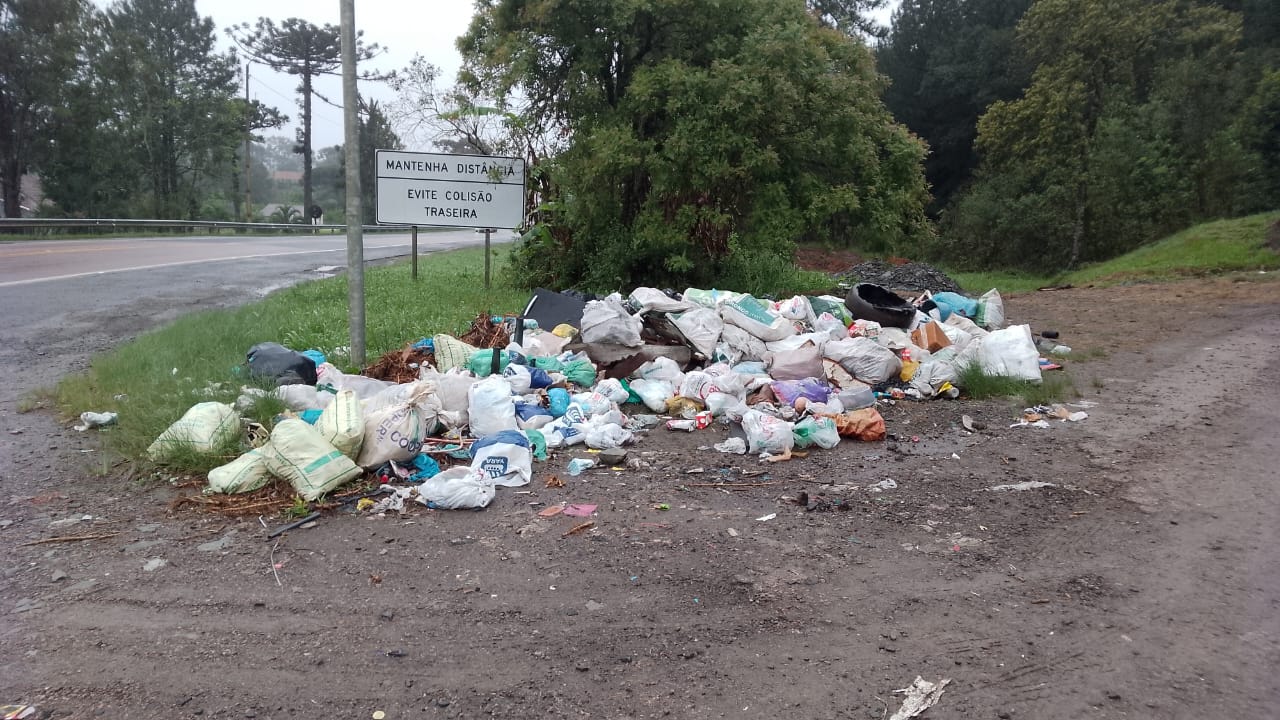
{"x": 872, "y": 302}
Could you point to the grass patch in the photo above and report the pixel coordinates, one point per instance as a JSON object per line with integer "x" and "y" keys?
{"x": 153, "y": 380}
{"x": 1055, "y": 387}
{"x": 1006, "y": 282}
{"x": 1208, "y": 249}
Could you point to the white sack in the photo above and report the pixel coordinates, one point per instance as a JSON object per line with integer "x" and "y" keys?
{"x": 701, "y": 327}
{"x": 865, "y": 359}
{"x": 608, "y": 322}
{"x": 1011, "y": 352}
{"x": 298, "y": 453}
{"x": 205, "y": 427}
{"x": 342, "y": 423}
{"x": 458, "y": 488}
{"x": 244, "y": 474}
{"x": 491, "y": 408}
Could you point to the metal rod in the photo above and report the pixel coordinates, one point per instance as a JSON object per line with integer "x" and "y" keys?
{"x": 414, "y": 252}
{"x": 487, "y": 233}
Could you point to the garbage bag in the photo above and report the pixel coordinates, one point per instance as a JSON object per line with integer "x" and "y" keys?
{"x": 748, "y": 314}
{"x": 580, "y": 372}
{"x": 660, "y": 368}
{"x": 820, "y": 431}
{"x": 701, "y": 327}
{"x": 766, "y": 433}
{"x": 206, "y": 427}
{"x": 331, "y": 379}
{"x": 451, "y": 352}
{"x": 458, "y": 488}
{"x": 613, "y": 390}
{"x": 591, "y": 404}
{"x": 831, "y": 327}
{"x": 608, "y": 322}
{"x": 298, "y": 453}
{"x": 803, "y": 362}
{"x": 276, "y": 362}
{"x": 1011, "y": 352}
{"x": 342, "y": 423}
{"x": 395, "y": 430}
{"x": 990, "y": 313}
{"x": 949, "y": 302}
{"x": 481, "y": 362}
{"x": 812, "y": 389}
{"x": 603, "y": 436}
{"x": 506, "y": 457}
{"x": 654, "y": 300}
{"x": 796, "y": 309}
{"x": 653, "y": 393}
{"x": 563, "y": 433}
{"x": 865, "y": 424}
{"x": 452, "y": 388}
{"x": 558, "y": 401}
{"x": 721, "y": 404}
{"x": 738, "y": 345}
{"x": 244, "y": 474}
{"x": 833, "y": 305}
{"x": 303, "y": 397}
{"x": 865, "y": 359}
{"x": 491, "y": 407}
{"x": 710, "y": 298}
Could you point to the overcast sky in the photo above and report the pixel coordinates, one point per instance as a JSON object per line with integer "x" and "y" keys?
{"x": 428, "y": 27}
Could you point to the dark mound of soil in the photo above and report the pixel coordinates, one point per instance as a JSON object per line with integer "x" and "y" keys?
{"x": 911, "y": 276}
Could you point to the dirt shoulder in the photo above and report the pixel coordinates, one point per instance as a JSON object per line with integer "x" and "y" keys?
{"x": 1141, "y": 584}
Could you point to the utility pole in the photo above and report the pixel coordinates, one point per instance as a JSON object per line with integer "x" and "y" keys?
{"x": 248, "y": 143}
{"x": 355, "y": 228}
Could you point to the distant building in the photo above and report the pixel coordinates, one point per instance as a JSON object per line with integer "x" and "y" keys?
{"x": 287, "y": 175}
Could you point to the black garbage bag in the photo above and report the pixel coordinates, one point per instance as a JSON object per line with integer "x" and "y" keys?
{"x": 277, "y": 362}
{"x": 874, "y": 303}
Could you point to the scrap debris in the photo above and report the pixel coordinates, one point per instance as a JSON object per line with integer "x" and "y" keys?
{"x": 920, "y": 696}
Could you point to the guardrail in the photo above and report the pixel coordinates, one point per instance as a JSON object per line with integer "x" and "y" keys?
{"x": 35, "y": 226}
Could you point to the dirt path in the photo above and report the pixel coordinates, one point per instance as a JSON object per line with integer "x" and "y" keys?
{"x": 1143, "y": 584}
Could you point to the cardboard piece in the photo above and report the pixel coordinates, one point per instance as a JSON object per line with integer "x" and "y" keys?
{"x": 930, "y": 337}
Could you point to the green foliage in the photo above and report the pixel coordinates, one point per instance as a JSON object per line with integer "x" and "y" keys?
{"x": 694, "y": 125}
{"x": 1054, "y": 386}
{"x": 153, "y": 380}
{"x": 40, "y": 42}
{"x": 946, "y": 61}
{"x": 1120, "y": 138}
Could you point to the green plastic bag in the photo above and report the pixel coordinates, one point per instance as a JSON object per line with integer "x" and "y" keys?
{"x": 819, "y": 431}
{"x": 581, "y": 372}
{"x": 549, "y": 364}
{"x": 481, "y": 363}
{"x": 538, "y": 444}
{"x": 632, "y": 397}
{"x": 835, "y": 306}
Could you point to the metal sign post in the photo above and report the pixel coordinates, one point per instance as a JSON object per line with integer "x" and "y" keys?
{"x": 487, "y": 233}
{"x": 415, "y": 252}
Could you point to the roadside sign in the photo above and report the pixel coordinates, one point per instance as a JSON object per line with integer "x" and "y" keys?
{"x": 477, "y": 191}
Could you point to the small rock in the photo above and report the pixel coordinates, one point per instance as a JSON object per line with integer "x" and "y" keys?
{"x": 582, "y": 666}
{"x": 148, "y": 528}
{"x": 58, "y": 575}
{"x": 387, "y": 615}
{"x": 442, "y": 703}
{"x": 613, "y": 456}
{"x": 250, "y": 713}
{"x": 462, "y": 541}
{"x": 217, "y": 545}
{"x": 65, "y": 522}
{"x": 732, "y": 532}
{"x": 26, "y": 605}
{"x": 593, "y": 605}
{"x": 154, "y": 564}
{"x": 5, "y": 523}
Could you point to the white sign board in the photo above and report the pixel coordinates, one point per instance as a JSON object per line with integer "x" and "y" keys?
{"x": 476, "y": 191}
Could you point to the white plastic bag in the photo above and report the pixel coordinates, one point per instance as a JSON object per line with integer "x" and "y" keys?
{"x": 561, "y": 432}
{"x": 302, "y": 397}
{"x": 205, "y": 427}
{"x": 1011, "y": 352}
{"x": 396, "y": 431}
{"x": 298, "y": 453}
{"x": 590, "y": 404}
{"x": 458, "y": 488}
{"x": 342, "y": 423}
{"x": 767, "y": 434}
{"x": 602, "y": 436}
{"x": 660, "y": 368}
{"x": 504, "y": 457}
{"x": 701, "y": 327}
{"x": 608, "y": 322}
{"x": 612, "y": 389}
{"x": 654, "y": 300}
{"x": 332, "y": 379}
{"x": 738, "y": 345}
{"x": 491, "y": 408}
{"x": 990, "y": 310}
{"x": 518, "y": 376}
{"x": 653, "y": 393}
{"x": 820, "y": 431}
{"x": 244, "y": 474}
{"x": 831, "y": 327}
{"x": 865, "y": 359}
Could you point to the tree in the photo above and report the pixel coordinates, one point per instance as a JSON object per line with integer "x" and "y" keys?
{"x": 852, "y": 17}
{"x": 1118, "y": 139}
{"x": 301, "y": 48}
{"x": 173, "y": 99}
{"x": 375, "y": 134}
{"x": 40, "y": 43}
{"x": 947, "y": 61}
{"x": 699, "y": 141}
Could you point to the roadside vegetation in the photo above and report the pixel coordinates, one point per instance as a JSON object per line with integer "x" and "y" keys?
{"x": 153, "y": 380}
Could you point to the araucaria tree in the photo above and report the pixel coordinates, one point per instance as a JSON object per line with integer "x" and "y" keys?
{"x": 301, "y": 48}
{"x": 705, "y": 136}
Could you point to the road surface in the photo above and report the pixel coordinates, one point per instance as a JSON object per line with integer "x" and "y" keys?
{"x": 64, "y": 300}
{"x": 45, "y": 260}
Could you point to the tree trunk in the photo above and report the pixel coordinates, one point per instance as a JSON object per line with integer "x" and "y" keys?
{"x": 12, "y": 182}
{"x": 1077, "y": 228}
{"x": 306, "y": 143}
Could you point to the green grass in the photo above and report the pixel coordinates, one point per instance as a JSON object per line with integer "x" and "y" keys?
{"x": 1056, "y": 386}
{"x": 1213, "y": 248}
{"x": 163, "y": 373}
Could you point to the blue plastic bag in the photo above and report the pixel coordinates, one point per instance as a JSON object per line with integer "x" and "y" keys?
{"x": 559, "y": 401}
{"x": 949, "y": 302}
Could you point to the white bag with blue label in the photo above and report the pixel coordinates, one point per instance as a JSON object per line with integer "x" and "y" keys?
{"x": 504, "y": 457}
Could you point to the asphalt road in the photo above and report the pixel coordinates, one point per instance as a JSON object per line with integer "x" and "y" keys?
{"x": 63, "y": 300}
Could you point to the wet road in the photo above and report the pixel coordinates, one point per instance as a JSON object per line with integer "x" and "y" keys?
{"x": 63, "y": 300}
{"x": 40, "y": 261}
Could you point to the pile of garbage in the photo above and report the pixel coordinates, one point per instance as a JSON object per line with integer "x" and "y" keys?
{"x": 794, "y": 373}
{"x": 915, "y": 276}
